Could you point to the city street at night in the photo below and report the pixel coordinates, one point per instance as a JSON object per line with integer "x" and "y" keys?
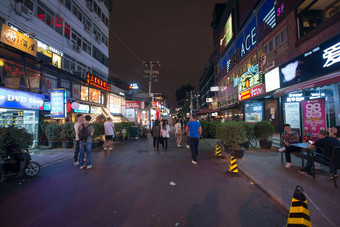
{"x": 130, "y": 186}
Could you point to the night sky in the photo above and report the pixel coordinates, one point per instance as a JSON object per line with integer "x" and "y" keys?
{"x": 177, "y": 33}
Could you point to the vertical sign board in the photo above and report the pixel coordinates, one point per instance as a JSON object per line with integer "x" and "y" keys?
{"x": 292, "y": 115}
{"x": 58, "y": 103}
{"x": 314, "y": 116}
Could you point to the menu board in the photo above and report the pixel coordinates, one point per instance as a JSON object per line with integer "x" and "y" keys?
{"x": 58, "y": 103}
{"x": 292, "y": 114}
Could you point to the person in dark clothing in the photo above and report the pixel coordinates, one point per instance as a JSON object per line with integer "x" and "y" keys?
{"x": 287, "y": 138}
{"x": 324, "y": 145}
{"x": 156, "y": 134}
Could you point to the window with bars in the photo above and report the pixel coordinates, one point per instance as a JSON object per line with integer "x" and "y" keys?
{"x": 87, "y": 47}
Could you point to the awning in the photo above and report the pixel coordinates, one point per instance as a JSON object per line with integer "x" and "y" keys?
{"x": 206, "y": 111}
{"x": 314, "y": 83}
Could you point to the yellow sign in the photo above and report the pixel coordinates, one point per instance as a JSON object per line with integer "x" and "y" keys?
{"x": 18, "y": 40}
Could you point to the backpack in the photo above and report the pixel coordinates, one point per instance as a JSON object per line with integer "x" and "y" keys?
{"x": 84, "y": 133}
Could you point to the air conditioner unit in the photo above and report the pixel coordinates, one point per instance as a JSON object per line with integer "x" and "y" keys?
{"x": 76, "y": 48}
{"x": 89, "y": 5}
{"x": 22, "y": 10}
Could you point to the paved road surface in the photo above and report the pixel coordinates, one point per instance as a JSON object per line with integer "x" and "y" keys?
{"x": 130, "y": 187}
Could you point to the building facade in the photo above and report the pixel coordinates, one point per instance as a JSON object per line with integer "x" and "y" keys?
{"x": 53, "y": 45}
{"x": 280, "y": 63}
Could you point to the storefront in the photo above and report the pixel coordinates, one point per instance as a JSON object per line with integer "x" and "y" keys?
{"x": 310, "y": 89}
{"x": 21, "y": 109}
{"x": 131, "y": 110}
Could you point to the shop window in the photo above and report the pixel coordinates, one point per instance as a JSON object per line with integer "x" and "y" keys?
{"x": 84, "y": 93}
{"x": 312, "y": 13}
{"x": 67, "y": 31}
{"x": 95, "y": 96}
{"x": 59, "y": 24}
{"x": 87, "y": 47}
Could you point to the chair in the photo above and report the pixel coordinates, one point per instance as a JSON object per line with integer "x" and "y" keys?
{"x": 335, "y": 162}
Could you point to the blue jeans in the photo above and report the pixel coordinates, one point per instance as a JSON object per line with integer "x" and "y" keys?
{"x": 194, "y": 142}
{"x": 317, "y": 158}
{"x": 88, "y": 147}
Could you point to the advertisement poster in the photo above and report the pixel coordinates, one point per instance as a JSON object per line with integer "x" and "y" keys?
{"x": 314, "y": 117}
{"x": 292, "y": 114}
{"x": 132, "y": 104}
{"x": 253, "y": 112}
{"x": 58, "y": 103}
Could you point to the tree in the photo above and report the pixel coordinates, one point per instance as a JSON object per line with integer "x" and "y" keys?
{"x": 181, "y": 94}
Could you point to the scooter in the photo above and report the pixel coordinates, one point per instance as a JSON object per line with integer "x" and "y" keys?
{"x": 17, "y": 164}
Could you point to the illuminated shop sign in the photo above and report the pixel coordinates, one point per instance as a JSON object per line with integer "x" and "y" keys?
{"x": 259, "y": 90}
{"x": 295, "y": 97}
{"x": 97, "y": 82}
{"x": 132, "y": 104}
{"x": 83, "y": 109}
{"x": 18, "y": 40}
{"x": 20, "y": 99}
{"x": 272, "y": 80}
{"x": 58, "y": 103}
{"x": 321, "y": 60}
{"x": 250, "y": 79}
{"x": 133, "y": 86}
{"x": 209, "y": 100}
{"x": 96, "y": 109}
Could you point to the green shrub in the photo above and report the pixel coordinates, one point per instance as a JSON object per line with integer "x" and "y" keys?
{"x": 212, "y": 128}
{"x": 121, "y": 125}
{"x": 99, "y": 131}
{"x": 248, "y": 128}
{"x": 67, "y": 132}
{"x": 13, "y": 138}
{"x": 53, "y": 131}
{"x": 263, "y": 130}
{"x": 231, "y": 134}
{"x": 205, "y": 125}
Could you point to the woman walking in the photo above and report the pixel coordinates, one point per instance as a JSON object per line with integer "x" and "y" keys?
{"x": 178, "y": 132}
{"x": 156, "y": 134}
{"x": 165, "y": 134}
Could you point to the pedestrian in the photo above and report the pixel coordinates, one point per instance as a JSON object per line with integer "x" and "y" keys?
{"x": 85, "y": 130}
{"x": 156, "y": 134}
{"x": 77, "y": 145}
{"x": 186, "y": 132}
{"x": 194, "y": 129}
{"x": 109, "y": 133}
{"x": 288, "y": 137}
{"x": 165, "y": 130}
{"x": 178, "y": 132}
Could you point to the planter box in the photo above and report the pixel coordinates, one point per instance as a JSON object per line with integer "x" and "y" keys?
{"x": 67, "y": 144}
{"x": 266, "y": 144}
{"x": 237, "y": 153}
{"x": 52, "y": 145}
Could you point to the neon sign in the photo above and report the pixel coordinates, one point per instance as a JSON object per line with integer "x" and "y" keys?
{"x": 250, "y": 79}
{"x": 97, "y": 82}
{"x": 332, "y": 54}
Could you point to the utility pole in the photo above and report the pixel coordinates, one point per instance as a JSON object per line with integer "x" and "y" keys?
{"x": 190, "y": 102}
{"x": 151, "y": 75}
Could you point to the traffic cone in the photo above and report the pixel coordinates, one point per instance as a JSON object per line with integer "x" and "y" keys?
{"x": 218, "y": 152}
{"x": 233, "y": 165}
{"x": 299, "y": 213}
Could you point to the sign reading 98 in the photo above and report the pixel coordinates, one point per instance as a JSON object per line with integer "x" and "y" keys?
{"x": 313, "y": 110}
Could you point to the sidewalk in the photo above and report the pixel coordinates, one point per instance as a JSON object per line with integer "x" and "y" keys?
{"x": 263, "y": 167}
{"x": 46, "y": 157}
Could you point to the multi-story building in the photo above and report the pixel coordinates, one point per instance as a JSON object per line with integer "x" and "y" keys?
{"x": 207, "y": 81}
{"x": 47, "y": 45}
{"x": 279, "y": 61}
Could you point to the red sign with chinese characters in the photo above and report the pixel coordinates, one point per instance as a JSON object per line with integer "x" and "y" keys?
{"x": 255, "y": 91}
{"x": 97, "y": 82}
{"x": 132, "y": 104}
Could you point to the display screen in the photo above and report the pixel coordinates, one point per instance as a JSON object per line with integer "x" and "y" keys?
{"x": 58, "y": 103}
{"x": 20, "y": 99}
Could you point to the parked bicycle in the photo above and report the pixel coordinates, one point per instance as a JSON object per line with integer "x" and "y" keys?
{"x": 252, "y": 141}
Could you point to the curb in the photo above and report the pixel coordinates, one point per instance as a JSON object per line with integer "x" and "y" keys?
{"x": 257, "y": 184}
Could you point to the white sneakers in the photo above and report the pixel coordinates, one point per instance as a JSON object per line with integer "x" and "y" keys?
{"x": 282, "y": 149}
{"x": 288, "y": 165}
{"x": 187, "y": 146}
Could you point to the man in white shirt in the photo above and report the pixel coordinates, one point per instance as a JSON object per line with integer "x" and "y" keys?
{"x": 109, "y": 133}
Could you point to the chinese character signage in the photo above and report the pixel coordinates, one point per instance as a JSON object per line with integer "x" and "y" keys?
{"x": 18, "y": 40}
{"x": 97, "y": 82}
{"x": 132, "y": 104}
{"x": 321, "y": 60}
{"x": 255, "y": 91}
{"x": 250, "y": 79}
{"x": 314, "y": 116}
{"x": 20, "y": 99}
{"x": 58, "y": 103}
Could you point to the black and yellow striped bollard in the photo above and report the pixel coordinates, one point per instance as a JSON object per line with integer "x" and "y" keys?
{"x": 299, "y": 213}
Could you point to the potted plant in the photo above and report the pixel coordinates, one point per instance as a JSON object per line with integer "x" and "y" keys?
{"x": 263, "y": 130}
{"x": 212, "y": 128}
{"x": 249, "y": 132}
{"x": 13, "y": 138}
{"x": 67, "y": 134}
{"x": 232, "y": 135}
{"x": 99, "y": 132}
{"x": 52, "y": 131}
{"x": 205, "y": 124}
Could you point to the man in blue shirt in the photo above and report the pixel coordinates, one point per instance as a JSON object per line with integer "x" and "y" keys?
{"x": 194, "y": 130}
